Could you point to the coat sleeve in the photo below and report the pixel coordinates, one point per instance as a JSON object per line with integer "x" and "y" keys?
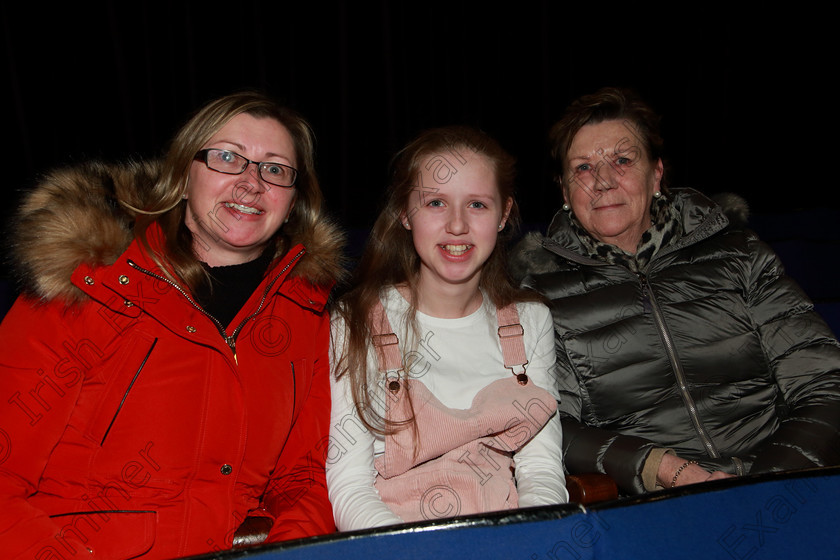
{"x": 588, "y": 449}
{"x": 33, "y": 415}
{"x": 297, "y": 494}
{"x": 804, "y": 359}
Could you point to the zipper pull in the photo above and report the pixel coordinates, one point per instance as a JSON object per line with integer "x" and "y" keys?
{"x": 231, "y": 341}
{"x": 646, "y": 304}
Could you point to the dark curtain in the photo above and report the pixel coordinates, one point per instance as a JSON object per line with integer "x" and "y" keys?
{"x": 114, "y": 81}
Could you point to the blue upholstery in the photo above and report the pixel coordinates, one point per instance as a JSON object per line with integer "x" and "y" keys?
{"x": 782, "y": 516}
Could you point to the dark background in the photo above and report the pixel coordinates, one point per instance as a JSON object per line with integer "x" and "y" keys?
{"x": 741, "y": 93}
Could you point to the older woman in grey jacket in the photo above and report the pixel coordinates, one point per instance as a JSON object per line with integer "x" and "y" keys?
{"x": 685, "y": 354}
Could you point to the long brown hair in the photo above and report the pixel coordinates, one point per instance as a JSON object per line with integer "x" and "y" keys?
{"x": 390, "y": 259}
{"x": 165, "y": 204}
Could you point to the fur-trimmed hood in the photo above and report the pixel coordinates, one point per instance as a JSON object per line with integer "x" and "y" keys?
{"x": 75, "y": 216}
{"x": 528, "y": 257}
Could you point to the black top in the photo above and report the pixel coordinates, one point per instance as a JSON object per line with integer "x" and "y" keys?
{"x": 231, "y": 286}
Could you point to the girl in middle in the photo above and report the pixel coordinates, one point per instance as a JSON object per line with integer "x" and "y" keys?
{"x": 443, "y": 371}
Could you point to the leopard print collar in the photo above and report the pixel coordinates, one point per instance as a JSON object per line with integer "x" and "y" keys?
{"x": 666, "y": 227}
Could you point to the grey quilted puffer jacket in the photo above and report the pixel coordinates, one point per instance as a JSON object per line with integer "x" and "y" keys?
{"x": 712, "y": 351}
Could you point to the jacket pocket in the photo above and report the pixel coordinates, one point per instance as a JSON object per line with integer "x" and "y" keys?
{"x": 110, "y": 534}
{"x": 125, "y": 372}
{"x": 301, "y": 383}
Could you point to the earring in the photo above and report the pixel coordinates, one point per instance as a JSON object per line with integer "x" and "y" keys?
{"x": 566, "y": 207}
{"x": 501, "y": 227}
{"x": 657, "y": 194}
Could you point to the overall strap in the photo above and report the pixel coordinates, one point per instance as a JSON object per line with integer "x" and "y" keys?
{"x": 510, "y": 331}
{"x": 511, "y": 337}
{"x": 385, "y": 342}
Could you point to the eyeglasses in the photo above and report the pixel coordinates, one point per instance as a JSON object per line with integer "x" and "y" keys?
{"x": 226, "y": 161}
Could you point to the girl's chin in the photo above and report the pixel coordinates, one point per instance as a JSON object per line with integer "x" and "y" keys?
{"x": 454, "y": 274}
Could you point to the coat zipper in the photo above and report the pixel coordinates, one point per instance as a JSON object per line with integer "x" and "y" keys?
{"x": 229, "y": 339}
{"x": 711, "y": 225}
{"x": 676, "y": 366}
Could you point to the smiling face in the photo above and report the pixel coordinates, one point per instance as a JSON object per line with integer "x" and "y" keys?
{"x": 454, "y": 217}
{"x": 233, "y": 217}
{"x": 609, "y": 183}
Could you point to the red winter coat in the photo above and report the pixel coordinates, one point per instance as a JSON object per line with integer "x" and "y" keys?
{"x": 130, "y": 427}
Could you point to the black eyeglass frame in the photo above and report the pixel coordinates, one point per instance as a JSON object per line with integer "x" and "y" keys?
{"x": 201, "y": 155}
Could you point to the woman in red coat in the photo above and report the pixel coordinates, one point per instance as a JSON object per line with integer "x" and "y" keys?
{"x": 164, "y": 373}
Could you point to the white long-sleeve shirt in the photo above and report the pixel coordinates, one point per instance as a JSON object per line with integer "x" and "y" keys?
{"x": 454, "y": 359}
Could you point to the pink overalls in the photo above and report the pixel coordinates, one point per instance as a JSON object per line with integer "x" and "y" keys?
{"x": 452, "y": 461}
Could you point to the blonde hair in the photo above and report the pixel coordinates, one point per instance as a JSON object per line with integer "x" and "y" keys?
{"x": 165, "y": 204}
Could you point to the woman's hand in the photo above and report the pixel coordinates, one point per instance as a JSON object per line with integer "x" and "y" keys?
{"x": 676, "y": 471}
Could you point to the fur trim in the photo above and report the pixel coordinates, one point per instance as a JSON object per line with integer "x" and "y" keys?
{"x": 734, "y": 207}
{"x": 529, "y": 257}
{"x": 74, "y": 216}
{"x": 323, "y": 264}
